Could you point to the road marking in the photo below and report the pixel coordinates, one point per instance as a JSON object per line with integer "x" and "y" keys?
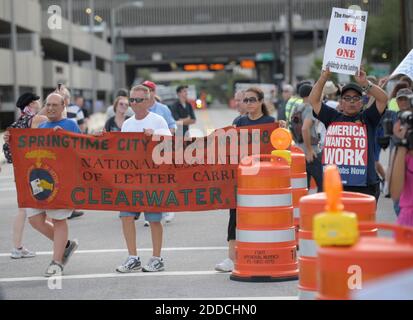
{"x": 117, "y": 275}
{"x": 45, "y": 253}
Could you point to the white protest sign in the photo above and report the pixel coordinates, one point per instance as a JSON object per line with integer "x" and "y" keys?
{"x": 345, "y": 41}
{"x": 405, "y": 67}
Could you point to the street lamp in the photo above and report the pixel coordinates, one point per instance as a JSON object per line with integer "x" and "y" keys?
{"x": 13, "y": 36}
{"x": 113, "y": 13}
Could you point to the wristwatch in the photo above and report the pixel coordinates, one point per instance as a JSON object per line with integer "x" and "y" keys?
{"x": 400, "y": 142}
{"x": 368, "y": 87}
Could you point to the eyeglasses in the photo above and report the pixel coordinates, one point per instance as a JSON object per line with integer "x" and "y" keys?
{"x": 52, "y": 105}
{"x": 137, "y": 100}
{"x": 351, "y": 98}
{"x": 250, "y": 100}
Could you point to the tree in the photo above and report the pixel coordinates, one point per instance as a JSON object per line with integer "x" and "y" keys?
{"x": 315, "y": 71}
{"x": 382, "y": 43}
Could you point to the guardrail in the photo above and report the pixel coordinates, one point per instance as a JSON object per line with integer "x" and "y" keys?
{"x": 194, "y": 12}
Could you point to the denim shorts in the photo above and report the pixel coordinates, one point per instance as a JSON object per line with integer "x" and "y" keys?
{"x": 149, "y": 216}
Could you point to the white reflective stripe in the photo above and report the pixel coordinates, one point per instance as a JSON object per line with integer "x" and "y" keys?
{"x": 265, "y": 200}
{"x": 266, "y": 236}
{"x": 299, "y": 183}
{"x": 308, "y": 248}
{"x": 312, "y": 191}
{"x": 296, "y": 212}
{"x": 306, "y": 295}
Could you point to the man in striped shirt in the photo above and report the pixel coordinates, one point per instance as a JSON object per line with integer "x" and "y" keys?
{"x": 74, "y": 112}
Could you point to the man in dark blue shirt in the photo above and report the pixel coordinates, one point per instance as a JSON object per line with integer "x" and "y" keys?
{"x": 350, "y": 134}
{"x": 57, "y": 230}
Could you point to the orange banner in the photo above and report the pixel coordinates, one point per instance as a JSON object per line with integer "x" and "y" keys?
{"x": 130, "y": 171}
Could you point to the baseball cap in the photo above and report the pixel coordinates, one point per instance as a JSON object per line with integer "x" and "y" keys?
{"x": 25, "y": 99}
{"x": 300, "y": 84}
{"x": 405, "y": 92}
{"x": 352, "y": 86}
{"x": 149, "y": 84}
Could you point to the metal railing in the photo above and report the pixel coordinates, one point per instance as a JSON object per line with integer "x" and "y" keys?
{"x": 195, "y": 12}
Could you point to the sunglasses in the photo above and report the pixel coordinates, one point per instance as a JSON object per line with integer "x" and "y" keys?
{"x": 351, "y": 99}
{"x": 250, "y": 100}
{"x": 137, "y": 100}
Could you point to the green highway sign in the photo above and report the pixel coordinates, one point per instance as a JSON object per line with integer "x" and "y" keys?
{"x": 264, "y": 56}
{"x": 122, "y": 57}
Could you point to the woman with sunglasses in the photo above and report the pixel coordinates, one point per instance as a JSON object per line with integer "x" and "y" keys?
{"x": 257, "y": 112}
{"x": 120, "y": 107}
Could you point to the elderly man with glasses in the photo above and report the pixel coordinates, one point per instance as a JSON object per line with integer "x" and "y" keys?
{"x": 149, "y": 123}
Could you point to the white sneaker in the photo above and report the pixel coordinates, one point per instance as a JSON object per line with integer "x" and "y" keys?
{"x": 21, "y": 253}
{"x": 169, "y": 216}
{"x": 54, "y": 269}
{"x": 130, "y": 265}
{"x": 225, "y": 266}
{"x": 155, "y": 264}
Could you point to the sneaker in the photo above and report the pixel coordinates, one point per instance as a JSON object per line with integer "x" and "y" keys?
{"x": 54, "y": 269}
{"x": 76, "y": 214}
{"x": 169, "y": 216}
{"x": 146, "y": 224}
{"x": 73, "y": 245}
{"x": 225, "y": 266}
{"x": 21, "y": 253}
{"x": 155, "y": 264}
{"x": 131, "y": 265}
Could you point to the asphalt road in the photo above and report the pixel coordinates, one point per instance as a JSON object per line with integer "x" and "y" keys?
{"x": 193, "y": 243}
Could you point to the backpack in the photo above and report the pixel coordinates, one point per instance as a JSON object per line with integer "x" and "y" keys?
{"x": 24, "y": 122}
{"x": 296, "y": 125}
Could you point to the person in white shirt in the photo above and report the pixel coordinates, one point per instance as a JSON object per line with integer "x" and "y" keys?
{"x": 149, "y": 123}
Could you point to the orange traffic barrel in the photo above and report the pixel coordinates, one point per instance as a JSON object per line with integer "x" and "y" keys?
{"x": 341, "y": 270}
{"x": 364, "y": 206}
{"x": 265, "y": 247}
{"x": 313, "y": 186}
{"x": 298, "y": 182}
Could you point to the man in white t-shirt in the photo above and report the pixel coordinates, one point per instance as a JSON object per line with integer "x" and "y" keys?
{"x": 149, "y": 123}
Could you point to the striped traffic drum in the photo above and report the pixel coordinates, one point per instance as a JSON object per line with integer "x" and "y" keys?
{"x": 364, "y": 206}
{"x": 298, "y": 182}
{"x": 345, "y": 270}
{"x": 265, "y": 247}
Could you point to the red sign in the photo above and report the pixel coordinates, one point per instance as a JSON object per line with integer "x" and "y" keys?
{"x": 124, "y": 171}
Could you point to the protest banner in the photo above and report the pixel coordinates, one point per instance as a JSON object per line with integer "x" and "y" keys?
{"x": 131, "y": 171}
{"x": 346, "y": 146}
{"x": 405, "y": 67}
{"x": 345, "y": 41}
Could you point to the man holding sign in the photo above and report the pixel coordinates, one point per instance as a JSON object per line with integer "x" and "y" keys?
{"x": 349, "y": 141}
